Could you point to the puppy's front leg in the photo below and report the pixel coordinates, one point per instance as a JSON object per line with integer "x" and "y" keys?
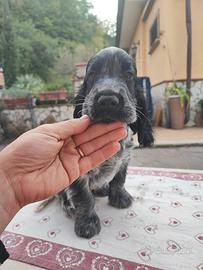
{"x": 87, "y": 223}
{"x": 118, "y": 196}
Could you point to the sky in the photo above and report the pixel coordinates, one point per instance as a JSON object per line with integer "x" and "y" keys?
{"x": 105, "y": 9}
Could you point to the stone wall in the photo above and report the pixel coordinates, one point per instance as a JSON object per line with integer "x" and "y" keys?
{"x": 159, "y": 99}
{"x": 197, "y": 94}
{"x": 60, "y": 113}
{"x": 16, "y": 121}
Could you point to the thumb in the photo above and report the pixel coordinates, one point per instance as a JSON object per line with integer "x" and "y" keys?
{"x": 65, "y": 129}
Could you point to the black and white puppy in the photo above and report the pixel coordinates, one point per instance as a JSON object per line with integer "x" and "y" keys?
{"x": 108, "y": 94}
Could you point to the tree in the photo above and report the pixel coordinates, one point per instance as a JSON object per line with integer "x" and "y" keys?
{"x": 42, "y": 35}
{"x": 8, "y": 46}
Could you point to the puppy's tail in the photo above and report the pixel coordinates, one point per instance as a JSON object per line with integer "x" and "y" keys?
{"x": 44, "y": 204}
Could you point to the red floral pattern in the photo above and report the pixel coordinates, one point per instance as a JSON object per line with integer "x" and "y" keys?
{"x": 148, "y": 236}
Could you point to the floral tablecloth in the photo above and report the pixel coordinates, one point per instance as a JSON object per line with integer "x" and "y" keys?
{"x": 162, "y": 230}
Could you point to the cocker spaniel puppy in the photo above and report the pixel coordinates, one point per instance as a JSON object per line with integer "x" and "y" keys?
{"x": 108, "y": 94}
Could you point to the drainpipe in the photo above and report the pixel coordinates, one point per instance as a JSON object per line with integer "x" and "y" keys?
{"x": 189, "y": 52}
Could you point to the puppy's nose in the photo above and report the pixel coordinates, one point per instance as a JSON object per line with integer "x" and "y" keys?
{"x": 108, "y": 101}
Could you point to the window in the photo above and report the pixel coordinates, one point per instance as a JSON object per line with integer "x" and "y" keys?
{"x": 154, "y": 34}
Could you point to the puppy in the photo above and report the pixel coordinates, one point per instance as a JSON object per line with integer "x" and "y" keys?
{"x": 108, "y": 94}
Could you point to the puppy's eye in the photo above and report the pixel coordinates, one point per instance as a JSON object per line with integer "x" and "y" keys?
{"x": 129, "y": 75}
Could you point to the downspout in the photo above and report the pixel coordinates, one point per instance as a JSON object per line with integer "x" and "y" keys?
{"x": 189, "y": 53}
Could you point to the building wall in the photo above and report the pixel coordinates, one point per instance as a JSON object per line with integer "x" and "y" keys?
{"x": 197, "y": 38}
{"x": 151, "y": 65}
{"x": 168, "y": 61}
{"x": 174, "y": 40}
{"x": 155, "y": 62}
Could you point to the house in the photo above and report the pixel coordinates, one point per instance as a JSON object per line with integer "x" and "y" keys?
{"x": 154, "y": 32}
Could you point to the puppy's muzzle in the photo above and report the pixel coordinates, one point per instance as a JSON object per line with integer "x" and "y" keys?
{"x": 107, "y": 106}
{"x": 108, "y": 101}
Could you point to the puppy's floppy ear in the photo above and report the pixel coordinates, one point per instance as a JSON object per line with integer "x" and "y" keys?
{"x": 79, "y": 99}
{"x": 142, "y": 126}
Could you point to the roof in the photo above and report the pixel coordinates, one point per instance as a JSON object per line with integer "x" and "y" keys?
{"x": 129, "y": 12}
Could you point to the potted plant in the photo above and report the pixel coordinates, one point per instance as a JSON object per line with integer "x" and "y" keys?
{"x": 15, "y": 98}
{"x": 20, "y": 94}
{"x": 199, "y": 114}
{"x": 178, "y": 99}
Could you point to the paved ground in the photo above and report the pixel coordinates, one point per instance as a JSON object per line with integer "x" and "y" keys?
{"x": 179, "y": 149}
{"x": 174, "y": 137}
{"x": 190, "y": 157}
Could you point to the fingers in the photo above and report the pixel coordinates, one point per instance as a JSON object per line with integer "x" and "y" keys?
{"x": 95, "y": 131}
{"x": 114, "y": 135}
{"x": 65, "y": 129}
{"x": 88, "y": 163}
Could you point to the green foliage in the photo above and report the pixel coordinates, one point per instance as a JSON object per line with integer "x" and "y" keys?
{"x": 1, "y": 32}
{"x": 180, "y": 91}
{"x": 48, "y": 37}
{"x": 13, "y": 92}
{"x": 28, "y": 84}
{"x": 59, "y": 83}
{"x": 8, "y": 45}
{"x": 109, "y": 30}
{"x": 36, "y": 51}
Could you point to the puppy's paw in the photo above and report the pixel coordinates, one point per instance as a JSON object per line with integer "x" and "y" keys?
{"x": 87, "y": 226}
{"x": 120, "y": 199}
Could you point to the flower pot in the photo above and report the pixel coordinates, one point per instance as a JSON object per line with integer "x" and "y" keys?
{"x": 16, "y": 102}
{"x": 199, "y": 119}
{"x": 177, "y": 112}
{"x": 53, "y": 95}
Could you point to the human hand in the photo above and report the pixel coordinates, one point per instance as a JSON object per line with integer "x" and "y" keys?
{"x": 45, "y": 160}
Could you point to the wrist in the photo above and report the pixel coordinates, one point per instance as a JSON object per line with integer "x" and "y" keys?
{"x": 9, "y": 205}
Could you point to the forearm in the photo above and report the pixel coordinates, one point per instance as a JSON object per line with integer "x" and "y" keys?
{"x": 8, "y": 204}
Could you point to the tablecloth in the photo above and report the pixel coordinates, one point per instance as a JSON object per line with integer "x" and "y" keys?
{"x": 163, "y": 229}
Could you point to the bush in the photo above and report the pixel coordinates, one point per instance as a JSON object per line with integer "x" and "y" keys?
{"x": 13, "y": 92}
{"x": 58, "y": 84}
{"x": 28, "y": 84}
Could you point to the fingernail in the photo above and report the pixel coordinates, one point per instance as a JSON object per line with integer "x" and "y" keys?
{"x": 85, "y": 116}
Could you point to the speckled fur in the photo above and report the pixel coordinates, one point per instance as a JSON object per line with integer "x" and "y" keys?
{"x": 100, "y": 176}
{"x": 107, "y": 75}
